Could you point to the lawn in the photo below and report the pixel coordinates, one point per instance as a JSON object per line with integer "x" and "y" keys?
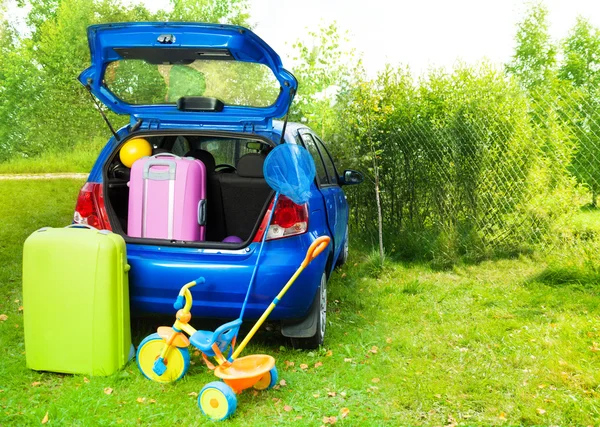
{"x": 81, "y": 158}
{"x": 498, "y": 343}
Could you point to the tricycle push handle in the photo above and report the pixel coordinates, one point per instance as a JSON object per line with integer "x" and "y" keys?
{"x": 315, "y": 249}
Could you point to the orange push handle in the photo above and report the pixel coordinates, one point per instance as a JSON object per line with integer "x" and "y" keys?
{"x": 315, "y": 249}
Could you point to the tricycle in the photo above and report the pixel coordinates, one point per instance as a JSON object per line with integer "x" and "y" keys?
{"x": 165, "y": 357}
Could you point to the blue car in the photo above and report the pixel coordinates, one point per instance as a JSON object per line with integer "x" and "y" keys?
{"x": 213, "y": 92}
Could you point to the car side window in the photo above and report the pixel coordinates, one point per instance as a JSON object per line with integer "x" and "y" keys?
{"x": 311, "y": 146}
{"x": 328, "y": 161}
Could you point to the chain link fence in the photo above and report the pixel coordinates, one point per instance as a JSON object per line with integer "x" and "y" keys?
{"x": 470, "y": 164}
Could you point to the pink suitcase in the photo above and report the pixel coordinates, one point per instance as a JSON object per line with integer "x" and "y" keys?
{"x": 167, "y": 198}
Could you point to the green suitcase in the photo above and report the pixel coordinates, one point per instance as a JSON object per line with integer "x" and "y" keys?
{"x": 76, "y": 301}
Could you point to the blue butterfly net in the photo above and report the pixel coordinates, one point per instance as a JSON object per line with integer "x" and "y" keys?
{"x": 289, "y": 169}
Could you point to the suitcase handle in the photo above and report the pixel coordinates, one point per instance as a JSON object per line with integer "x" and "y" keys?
{"x": 168, "y": 175}
{"x": 166, "y": 155}
{"x": 81, "y": 226}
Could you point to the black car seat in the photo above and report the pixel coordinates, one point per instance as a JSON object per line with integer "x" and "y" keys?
{"x": 245, "y": 193}
{"x": 215, "y": 220}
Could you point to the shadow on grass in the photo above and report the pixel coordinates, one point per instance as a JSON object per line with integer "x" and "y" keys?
{"x": 561, "y": 276}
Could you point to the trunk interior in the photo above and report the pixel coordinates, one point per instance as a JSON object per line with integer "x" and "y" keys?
{"x": 237, "y": 195}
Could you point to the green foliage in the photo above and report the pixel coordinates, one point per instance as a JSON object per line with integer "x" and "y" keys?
{"x": 323, "y": 67}
{"x": 534, "y": 61}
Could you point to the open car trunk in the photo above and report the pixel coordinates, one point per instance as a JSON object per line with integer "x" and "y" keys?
{"x": 237, "y": 195}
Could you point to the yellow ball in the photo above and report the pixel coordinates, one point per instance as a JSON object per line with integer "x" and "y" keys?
{"x": 133, "y": 150}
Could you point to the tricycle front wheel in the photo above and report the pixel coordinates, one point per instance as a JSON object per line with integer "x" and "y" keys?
{"x": 217, "y": 401}
{"x": 177, "y": 362}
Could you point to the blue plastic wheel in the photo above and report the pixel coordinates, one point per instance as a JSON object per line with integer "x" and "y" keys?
{"x": 217, "y": 401}
{"x": 176, "y": 365}
{"x": 268, "y": 381}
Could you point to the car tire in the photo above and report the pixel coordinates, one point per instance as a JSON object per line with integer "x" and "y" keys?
{"x": 317, "y": 339}
{"x": 344, "y": 253}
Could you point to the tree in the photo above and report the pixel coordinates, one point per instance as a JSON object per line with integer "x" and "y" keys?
{"x": 216, "y": 11}
{"x": 534, "y": 61}
{"x": 581, "y": 68}
{"x": 322, "y": 69}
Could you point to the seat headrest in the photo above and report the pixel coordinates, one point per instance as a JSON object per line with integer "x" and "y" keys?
{"x": 205, "y": 157}
{"x": 251, "y": 165}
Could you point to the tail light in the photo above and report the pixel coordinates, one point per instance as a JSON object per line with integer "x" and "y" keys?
{"x": 90, "y": 207}
{"x": 289, "y": 219}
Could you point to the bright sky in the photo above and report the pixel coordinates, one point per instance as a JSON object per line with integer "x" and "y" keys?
{"x": 420, "y": 33}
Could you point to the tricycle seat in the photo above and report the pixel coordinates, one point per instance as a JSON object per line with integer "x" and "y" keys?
{"x": 222, "y": 336}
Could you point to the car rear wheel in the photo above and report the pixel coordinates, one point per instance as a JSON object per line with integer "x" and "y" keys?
{"x": 321, "y": 318}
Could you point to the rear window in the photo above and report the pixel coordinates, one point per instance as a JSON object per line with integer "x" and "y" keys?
{"x": 138, "y": 82}
{"x": 226, "y": 151}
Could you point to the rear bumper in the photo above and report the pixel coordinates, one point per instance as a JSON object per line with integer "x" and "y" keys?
{"x": 158, "y": 272}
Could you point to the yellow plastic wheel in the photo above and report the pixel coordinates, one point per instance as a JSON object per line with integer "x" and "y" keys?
{"x": 268, "y": 380}
{"x": 177, "y": 363}
{"x": 217, "y": 401}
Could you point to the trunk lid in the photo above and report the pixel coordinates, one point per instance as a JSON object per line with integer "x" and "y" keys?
{"x": 155, "y": 71}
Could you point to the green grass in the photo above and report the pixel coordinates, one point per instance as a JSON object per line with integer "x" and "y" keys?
{"x": 502, "y": 342}
{"x": 81, "y": 158}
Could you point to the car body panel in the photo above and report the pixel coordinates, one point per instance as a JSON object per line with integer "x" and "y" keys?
{"x": 241, "y": 43}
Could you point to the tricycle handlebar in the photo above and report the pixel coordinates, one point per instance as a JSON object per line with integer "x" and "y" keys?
{"x": 184, "y": 299}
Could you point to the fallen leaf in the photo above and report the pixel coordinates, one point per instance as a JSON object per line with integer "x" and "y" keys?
{"x": 343, "y": 275}
{"x": 276, "y": 400}
{"x": 331, "y": 393}
{"x": 35, "y": 383}
{"x": 375, "y": 380}
{"x": 595, "y": 347}
{"x": 108, "y": 390}
{"x": 282, "y": 383}
{"x": 347, "y": 359}
{"x": 304, "y": 366}
{"x": 3, "y": 317}
{"x": 45, "y": 419}
{"x": 288, "y": 363}
{"x": 298, "y": 417}
{"x": 196, "y": 353}
{"x": 388, "y": 340}
{"x": 345, "y": 412}
{"x": 254, "y": 393}
{"x": 193, "y": 393}
{"x": 355, "y": 264}
{"x": 540, "y": 411}
{"x": 152, "y": 401}
{"x": 329, "y": 353}
{"x": 276, "y": 387}
{"x": 542, "y": 386}
{"x": 17, "y": 301}
{"x": 318, "y": 364}
{"x": 330, "y": 420}
{"x": 20, "y": 308}
{"x": 343, "y": 394}
{"x": 16, "y": 325}
{"x": 439, "y": 396}
{"x": 140, "y": 399}
{"x": 316, "y": 395}
{"x": 373, "y": 349}
{"x": 86, "y": 380}
{"x": 287, "y": 408}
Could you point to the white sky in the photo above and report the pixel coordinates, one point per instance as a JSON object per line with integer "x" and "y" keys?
{"x": 420, "y": 33}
